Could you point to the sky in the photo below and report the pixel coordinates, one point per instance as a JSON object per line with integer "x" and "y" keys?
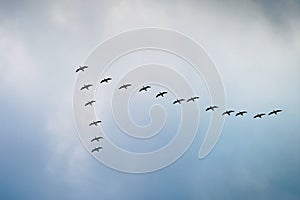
{"x": 255, "y": 45}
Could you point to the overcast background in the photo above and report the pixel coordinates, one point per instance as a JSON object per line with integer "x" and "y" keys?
{"x": 255, "y": 46}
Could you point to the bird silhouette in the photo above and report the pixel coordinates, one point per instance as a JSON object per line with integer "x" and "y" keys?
{"x": 211, "y": 108}
{"x": 192, "y": 99}
{"x": 144, "y": 88}
{"x": 275, "y": 112}
{"x": 161, "y": 94}
{"x": 97, "y": 149}
{"x": 86, "y": 87}
{"x": 90, "y": 103}
{"x": 96, "y": 139}
{"x": 95, "y": 123}
{"x": 227, "y": 112}
{"x": 178, "y": 101}
{"x": 125, "y": 86}
{"x": 241, "y": 113}
{"x": 105, "y": 80}
{"x": 81, "y": 68}
{"x": 259, "y": 115}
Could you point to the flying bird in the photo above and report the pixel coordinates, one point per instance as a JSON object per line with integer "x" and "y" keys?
{"x": 95, "y": 123}
{"x": 145, "y": 88}
{"x": 161, "y": 94}
{"x": 81, "y": 68}
{"x": 192, "y": 99}
{"x": 86, "y": 87}
{"x": 178, "y": 101}
{"x": 105, "y": 80}
{"x": 90, "y": 103}
{"x": 275, "y": 112}
{"x": 259, "y": 115}
{"x": 211, "y": 108}
{"x": 97, "y": 149}
{"x": 241, "y": 113}
{"x": 96, "y": 139}
{"x": 125, "y": 86}
{"x": 227, "y": 112}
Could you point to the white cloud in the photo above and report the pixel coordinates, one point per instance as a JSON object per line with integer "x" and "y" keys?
{"x": 255, "y": 56}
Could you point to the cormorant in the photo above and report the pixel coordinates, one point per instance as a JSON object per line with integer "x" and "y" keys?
{"x": 95, "y": 123}
{"x": 86, "y": 87}
{"x": 81, "y": 68}
{"x": 145, "y": 88}
{"x": 161, "y": 94}
{"x": 211, "y": 108}
{"x": 125, "y": 86}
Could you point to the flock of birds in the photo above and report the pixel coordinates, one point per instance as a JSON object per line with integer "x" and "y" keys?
{"x": 159, "y": 95}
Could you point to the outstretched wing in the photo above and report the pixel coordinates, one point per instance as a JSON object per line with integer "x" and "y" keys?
{"x": 209, "y": 108}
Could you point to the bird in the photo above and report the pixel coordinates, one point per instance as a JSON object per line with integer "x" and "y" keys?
{"x": 81, "y": 68}
{"x": 86, "y": 87}
{"x": 211, "y": 108}
{"x": 90, "y": 103}
{"x": 96, "y": 139}
{"x": 241, "y": 113}
{"x": 274, "y": 112}
{"x": 178, "y": 101}
{"x": 259, "y": 115}
{"x": 95, "y": 123}
{"x": 105, "y": 80}
{"x": 192, "y": 99}
{"x": 161, "y": 94}
{"x": 227, "y": 112}
{"x": 97, "y": 149}
{"x": 145, "y": 88}
{"x": 125, "y": 86}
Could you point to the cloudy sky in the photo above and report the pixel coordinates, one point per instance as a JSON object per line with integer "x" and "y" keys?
{"x": 255, "y": 45}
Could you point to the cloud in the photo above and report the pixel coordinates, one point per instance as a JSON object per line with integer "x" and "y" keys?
{"x": 255, "y": 46}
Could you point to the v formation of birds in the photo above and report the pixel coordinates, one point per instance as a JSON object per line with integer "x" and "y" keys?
{"x": 159, "y": 95}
